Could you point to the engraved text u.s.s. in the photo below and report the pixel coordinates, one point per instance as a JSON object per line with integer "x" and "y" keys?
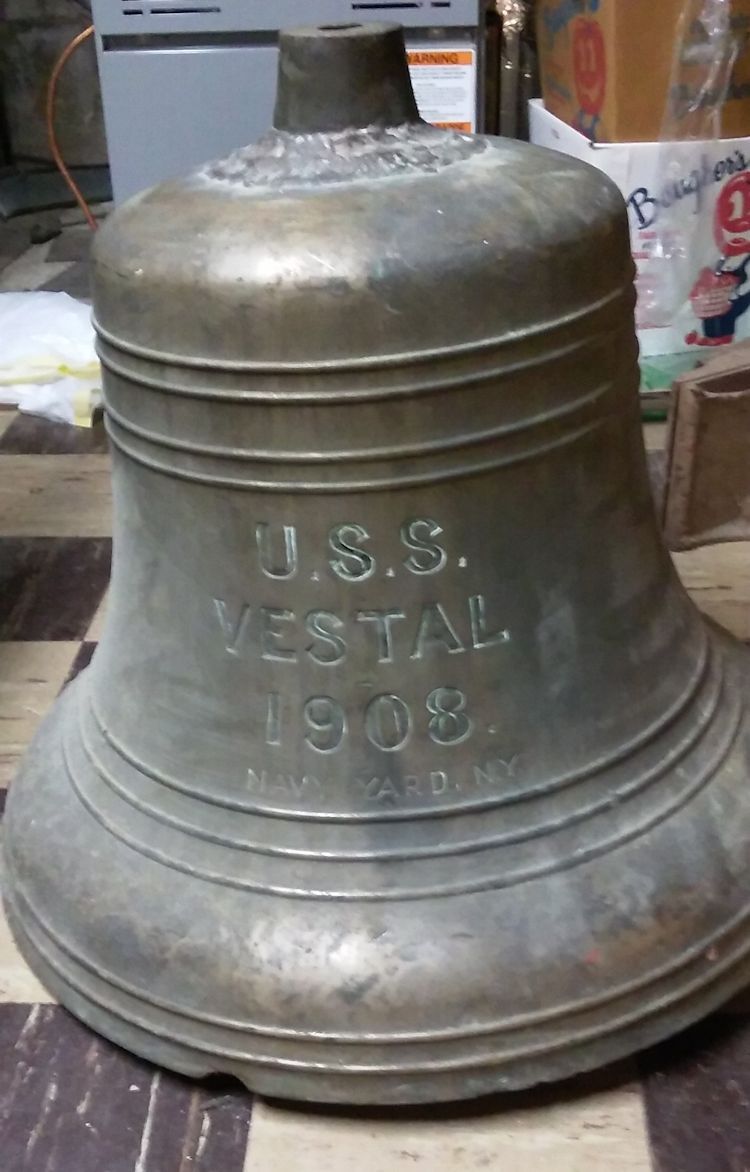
{"x": 387, "y": 635}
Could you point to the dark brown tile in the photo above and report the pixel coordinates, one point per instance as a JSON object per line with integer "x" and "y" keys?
{"x": 697, "y": 1094}
{"x": 29, "y": 435}
{"x": 14, "y": 240}
{"x": 50, "y": 588}
{"x": 71, "y": 1102}
{"x": 74, "y": 280}
{"x": 227, "y": 1114}
{"x": 81, "y": 661}
{"x": 73, "y": 243}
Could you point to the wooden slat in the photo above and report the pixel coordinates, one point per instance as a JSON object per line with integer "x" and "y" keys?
{"x": 718, "y": 578}
{"x": 587, "y": 1129}
{"x": 31, "y": 675}
{"x": 60, "y": 496}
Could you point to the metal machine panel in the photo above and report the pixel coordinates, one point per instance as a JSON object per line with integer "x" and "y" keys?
{"x": 160, "y": 17}
{"x": 184, "y": 81}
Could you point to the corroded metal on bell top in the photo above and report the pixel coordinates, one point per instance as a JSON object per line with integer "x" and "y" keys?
{"x": 405, "y": 768}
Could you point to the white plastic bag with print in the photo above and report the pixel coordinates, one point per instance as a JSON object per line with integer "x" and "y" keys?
{"x": 693, "y": 262}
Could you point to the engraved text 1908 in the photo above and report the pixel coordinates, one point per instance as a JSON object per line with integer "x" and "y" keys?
{"x": 393, "y": 633}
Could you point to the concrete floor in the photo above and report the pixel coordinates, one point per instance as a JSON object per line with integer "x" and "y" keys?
{"x": 60, "y": 264}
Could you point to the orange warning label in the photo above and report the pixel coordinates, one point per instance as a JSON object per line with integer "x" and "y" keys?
{"x": 441, "y": 57}
{"x": 445, "y": 85}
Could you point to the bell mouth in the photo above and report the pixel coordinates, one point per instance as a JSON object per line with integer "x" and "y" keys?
{"x": 343, "y": 76}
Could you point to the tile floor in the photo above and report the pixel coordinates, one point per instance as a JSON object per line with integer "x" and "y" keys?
{"x": 70, "y": 1102}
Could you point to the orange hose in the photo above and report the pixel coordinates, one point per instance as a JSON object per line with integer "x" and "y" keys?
{"x": 50, "y": 112}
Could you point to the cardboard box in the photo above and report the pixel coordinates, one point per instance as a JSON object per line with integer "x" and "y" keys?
{"x": 701, "y": 210}
{"x": 609, "y": 69}
{"x": 707, "y": 475}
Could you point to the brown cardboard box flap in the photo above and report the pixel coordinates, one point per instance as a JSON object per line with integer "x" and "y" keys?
{"x": 639, "y": 71}
{"x": 706, "y": 495}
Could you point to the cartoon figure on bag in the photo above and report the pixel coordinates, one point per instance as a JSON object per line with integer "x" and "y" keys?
{"x": 721, "y": 295}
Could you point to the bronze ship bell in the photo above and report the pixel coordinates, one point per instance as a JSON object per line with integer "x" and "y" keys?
{"x": 405, "y": 769}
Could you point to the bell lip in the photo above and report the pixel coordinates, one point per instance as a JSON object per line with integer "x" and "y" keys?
{"x": 710, "y": 969}
{"x": 553, "y": 1067}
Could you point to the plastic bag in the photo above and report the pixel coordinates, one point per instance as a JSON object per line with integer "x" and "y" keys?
{"x": 692, "y": 272}
{"x": 48, "y": 364}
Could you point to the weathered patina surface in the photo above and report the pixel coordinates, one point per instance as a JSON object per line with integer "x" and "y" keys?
{"x": 405, "y": 768}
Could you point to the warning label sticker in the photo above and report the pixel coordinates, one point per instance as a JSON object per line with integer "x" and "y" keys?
{"x": 445, "y": 86}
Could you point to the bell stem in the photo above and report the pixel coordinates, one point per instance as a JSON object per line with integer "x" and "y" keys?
{"x": 337, "y": 77}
